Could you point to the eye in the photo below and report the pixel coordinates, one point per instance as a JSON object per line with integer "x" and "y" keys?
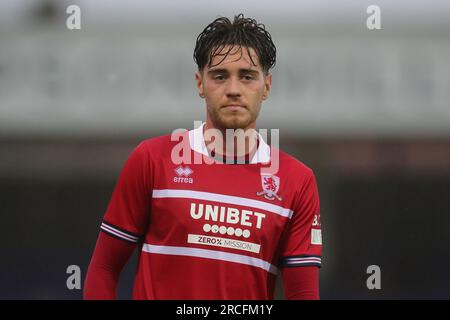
{"x": 219, "y": 77}
{"x": 248, "y": 77}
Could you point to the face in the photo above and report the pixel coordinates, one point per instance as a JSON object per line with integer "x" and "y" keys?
{"x": 234, "y": 89}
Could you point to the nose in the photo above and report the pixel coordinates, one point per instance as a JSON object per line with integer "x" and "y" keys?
{"x": 233, "y": 88}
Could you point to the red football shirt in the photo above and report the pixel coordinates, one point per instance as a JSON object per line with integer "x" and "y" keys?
{"x": 213, "y": 231}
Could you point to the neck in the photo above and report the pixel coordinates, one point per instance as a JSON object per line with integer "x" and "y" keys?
{"x": 235, "y": 143}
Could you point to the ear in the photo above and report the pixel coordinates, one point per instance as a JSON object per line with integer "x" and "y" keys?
{"x": 199, "y": 83}
{"x": 267, "y": 86}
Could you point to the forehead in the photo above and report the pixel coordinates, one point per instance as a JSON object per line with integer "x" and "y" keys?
{"x": 237, "y": 56}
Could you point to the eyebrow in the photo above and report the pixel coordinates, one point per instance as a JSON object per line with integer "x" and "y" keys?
{"x": 241, "y": 70}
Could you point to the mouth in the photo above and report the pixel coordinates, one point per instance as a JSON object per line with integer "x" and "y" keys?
{"x": 233, "y": 107}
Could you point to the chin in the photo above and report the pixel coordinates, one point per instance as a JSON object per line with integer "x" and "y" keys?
{"x": 234, "y": 123}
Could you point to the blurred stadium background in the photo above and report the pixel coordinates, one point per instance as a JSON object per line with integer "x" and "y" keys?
{"x": 369, "y": 111}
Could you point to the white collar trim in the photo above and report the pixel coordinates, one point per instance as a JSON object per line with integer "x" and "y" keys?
{"x": 197, "y": 143}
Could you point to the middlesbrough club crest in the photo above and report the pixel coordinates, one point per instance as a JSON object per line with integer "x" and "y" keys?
{"x": 270, "y": 185}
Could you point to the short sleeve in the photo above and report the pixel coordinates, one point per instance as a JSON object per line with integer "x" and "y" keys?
{"x": 127, "y": 214}
{"x": 302, "y": 245}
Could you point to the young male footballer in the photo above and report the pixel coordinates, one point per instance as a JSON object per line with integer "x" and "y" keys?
{"x": 223, "y": 227}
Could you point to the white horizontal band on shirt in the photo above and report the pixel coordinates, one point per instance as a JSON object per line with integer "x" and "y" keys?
{"x": 200, "y": 195}
{"x": 118, "y": 233}
{"x": 297, "y": 261}
{"x": 210, "y": 254}
{"x": 303, "y": 259}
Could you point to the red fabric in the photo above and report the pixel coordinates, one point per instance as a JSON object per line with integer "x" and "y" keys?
{"x": 109, "y": 258}
{"x": 301, "y": 283}
{"x": 111, "y": 255}
{"x": 151, "y": 192}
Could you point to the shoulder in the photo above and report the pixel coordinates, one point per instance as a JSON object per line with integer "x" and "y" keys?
{"x": 293, "y": 166}
{"x": 298, "y": 177}
{"x": 295, "y": 173}
{"x": 156, "y": 142}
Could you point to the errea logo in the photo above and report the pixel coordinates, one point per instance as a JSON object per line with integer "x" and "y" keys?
{"x": 183, "y": 174}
